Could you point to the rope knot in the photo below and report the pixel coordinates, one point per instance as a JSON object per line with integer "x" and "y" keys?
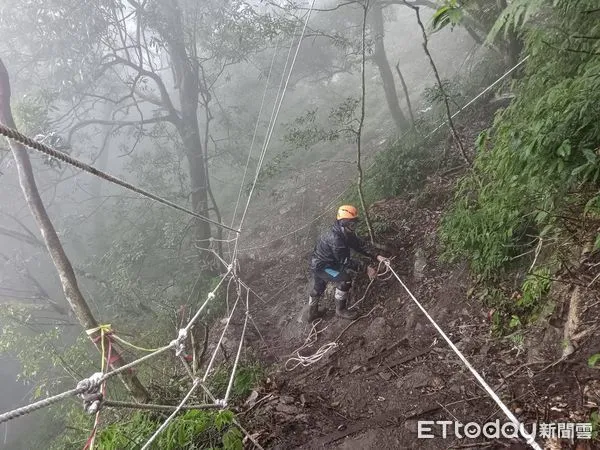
{"x": 91, "y": 384}
{"x": 211, "y": 295}
{"x": 221, "y": 402}
{"x": 90, "y": 392}
{"x": 179, "y": 343}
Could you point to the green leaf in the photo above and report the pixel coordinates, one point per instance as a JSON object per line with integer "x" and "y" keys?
{"x": 223, "y": 418}
{"x": 564, "y": 149}
{"x": 546, "y": 229}
{"x": 541, "y": 216}
{"x": 232, "y": 439}
{"x": 440, "y": 18}
{"x": 590, "y": 155}
{"x": 597, "y": 243}
{"x": 593, "y": 360}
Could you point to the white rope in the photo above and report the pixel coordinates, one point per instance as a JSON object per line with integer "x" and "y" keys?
{"x": 441, "y": 124}
{"x": 214, "y": 355}
{"x": 306, "y": 361}
{"x": 379, "y": 275}
{"x": 274, "y": 112}
{"x": 239, "y": 352}
{"x": 487, "y": 388}
{"x": 195, "y": 384}
{"x": 210, "y": 296}
{"x": 270, "y": 134}
{"x": 273, "y": 121}
{"x": 481, "y": 94}
{"x": 237, "y": 203}
{"x": 312, "y": 337}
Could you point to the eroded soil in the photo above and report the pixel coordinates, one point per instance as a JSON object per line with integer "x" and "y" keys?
{"x": 391, "y": 367}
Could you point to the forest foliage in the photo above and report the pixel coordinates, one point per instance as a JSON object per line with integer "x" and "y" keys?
{"x": 535, "y": 176}
{"x": 540, "y": 162}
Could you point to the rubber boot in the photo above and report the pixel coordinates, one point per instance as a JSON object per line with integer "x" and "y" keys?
{"x": 314, "y": 312}
{"x": 341, "y": 299}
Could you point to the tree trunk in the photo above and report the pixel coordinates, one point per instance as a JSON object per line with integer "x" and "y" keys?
{"x": 406, "y": 94}
{"x": 387, "y": 76}
{"x": 513, "y": 43}
{"x": 188, "y": 84}
{"x": 96, "y": 187}
{"x": 361, "y": 122}
{"x": 188, "y": 94}
{"x": 61, "y": 261}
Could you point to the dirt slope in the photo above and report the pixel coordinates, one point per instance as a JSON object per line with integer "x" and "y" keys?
{"x": 391, "y": 368}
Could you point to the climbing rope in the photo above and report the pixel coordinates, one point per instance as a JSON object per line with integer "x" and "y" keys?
{"x": 529, "y": 438}
{"x": 88, "y": 385}
{"x": 153, "y": 407}
{"x": 273, "y": 121}
{"x": 306, "y": 361}
{"x": 93, "y": 402}
{"x": 43, "y": 148}
{"x": 239, "y": 352}
{"x": 211, "y": 295}
{"x": 312, "y": 337}
{"x": 164, "y": 425}
{"x": 276, "y": 115}
{"x": 218, "y": 346}
{"x": 441, "y": 124}
{"x": 481, "y": 94}
{"x": 379, "y": 275}
{"x": 237, "y": 203}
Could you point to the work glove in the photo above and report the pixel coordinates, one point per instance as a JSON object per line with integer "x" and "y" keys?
{"x": 371, "y": 272}
{"x": 354, "y": 265}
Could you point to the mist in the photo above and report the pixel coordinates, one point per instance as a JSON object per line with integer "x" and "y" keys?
{"x": 167, "y": 95}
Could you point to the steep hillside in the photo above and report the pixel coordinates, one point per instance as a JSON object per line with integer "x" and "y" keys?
{"x": 391, "y": 368}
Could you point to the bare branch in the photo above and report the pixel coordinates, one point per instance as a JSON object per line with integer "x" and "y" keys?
{"x": 413, "y": 4}
{"x": 118, "y": 123}
{"x": 20, "y": 237}
{"x": 455, "y": 135}
{"x": 164, "y": 93}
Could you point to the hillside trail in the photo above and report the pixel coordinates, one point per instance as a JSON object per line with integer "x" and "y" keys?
{"x": 390, "y": 368}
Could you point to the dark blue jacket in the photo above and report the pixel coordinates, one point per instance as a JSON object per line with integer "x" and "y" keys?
{"x": 333, "y": 250}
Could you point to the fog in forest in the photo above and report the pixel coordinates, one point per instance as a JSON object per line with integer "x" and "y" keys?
{"x": 176, "y": 97}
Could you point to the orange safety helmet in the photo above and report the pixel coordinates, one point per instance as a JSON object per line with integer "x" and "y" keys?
{"x": 348, "y": 212}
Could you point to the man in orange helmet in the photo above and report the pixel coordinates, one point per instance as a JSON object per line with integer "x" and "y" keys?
{"x": 331, "y": 262}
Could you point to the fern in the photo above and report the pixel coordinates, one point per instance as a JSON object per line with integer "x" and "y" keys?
{"x": 517, "y": 14}
{"x": 450, "y": 13}
{"x": 543, "y": 157}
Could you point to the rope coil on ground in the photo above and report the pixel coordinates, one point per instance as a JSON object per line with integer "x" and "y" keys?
{"x": 306, "y": 361}
{"x": 312, "y": 337}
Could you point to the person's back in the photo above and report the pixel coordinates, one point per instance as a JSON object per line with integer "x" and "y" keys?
{"x": 331, "y": 261}
{"x": 330, "y": 250}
